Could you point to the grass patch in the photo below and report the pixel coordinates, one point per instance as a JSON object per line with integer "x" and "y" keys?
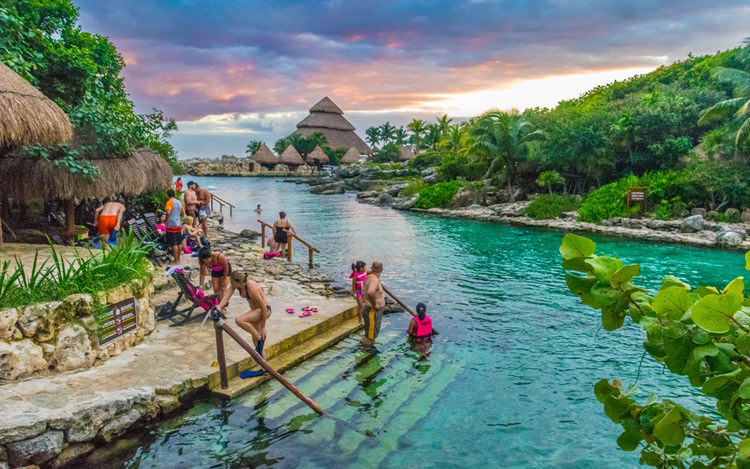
{"x": 414, "y": 187}
{"x": 438, "y": 195}
{"x": 55, "y": 278}
{"x": 548, "y": 206}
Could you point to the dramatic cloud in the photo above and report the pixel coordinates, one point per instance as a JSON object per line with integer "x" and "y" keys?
{"x": 233, "y": 70}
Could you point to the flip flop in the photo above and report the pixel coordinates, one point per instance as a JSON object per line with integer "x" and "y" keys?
{"x": 313, "y": 310}
{"x": 305, "y": 314}
{"x": 290, "y": 310}
{"x": 251, "y": 374}
{"x": 306, "y": 308}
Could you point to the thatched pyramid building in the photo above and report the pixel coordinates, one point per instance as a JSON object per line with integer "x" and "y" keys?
{"x": 351, "y": 157}
{"x": 291, "y": 158}
{"x": 263, "y": 157}
{"x": 327, "y": 118}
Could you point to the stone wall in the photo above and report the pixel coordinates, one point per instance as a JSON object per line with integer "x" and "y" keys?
{"x": 60, "y": 336}
{"x": 232, "y": 166}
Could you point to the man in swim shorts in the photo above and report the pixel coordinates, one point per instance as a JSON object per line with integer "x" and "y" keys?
{"x": 108, "y": 219}
{"x": 174, "y": 225}
{"x": 374, "y": 302}
{"x": 191, "y": 202}
{"x": 204, "y": 206}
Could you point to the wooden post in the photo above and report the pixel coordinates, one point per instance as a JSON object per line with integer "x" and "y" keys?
{"x": 70, "y": 215}
{"x": 212, "y": 202}
{"x": 262, "y": 235}
{"x": 263, "y": 364}
{"x": 289, "y": 247}
{"x": 220, "y": 356}
{"x": 1, "y": 224}
{"x": 310, "y": 253}
{"x": 230, "y": 210}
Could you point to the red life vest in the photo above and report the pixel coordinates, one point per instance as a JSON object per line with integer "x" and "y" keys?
{"x": 424, "y": 328}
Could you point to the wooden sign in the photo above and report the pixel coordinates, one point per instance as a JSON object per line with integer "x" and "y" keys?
{"x": 636, "y": 195}
{"x": 119, "y": 319}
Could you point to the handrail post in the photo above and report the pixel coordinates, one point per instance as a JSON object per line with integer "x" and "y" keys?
{"x": 262, "y": 235}
{"x": 310, "y": 253}
{"x": 220, "y": 357}
{"x": 212, "y": 202}
{"x": 289, "y": 248}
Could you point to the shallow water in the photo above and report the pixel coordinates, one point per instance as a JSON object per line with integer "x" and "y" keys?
{"x": 510, "y": 378}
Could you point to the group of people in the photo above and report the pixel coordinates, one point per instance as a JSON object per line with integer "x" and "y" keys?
{"x": 185, "y": 222}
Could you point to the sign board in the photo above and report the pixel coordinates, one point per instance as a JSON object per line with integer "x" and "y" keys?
{"x": 636, "y": 195}
{"x": 119, "y": 319}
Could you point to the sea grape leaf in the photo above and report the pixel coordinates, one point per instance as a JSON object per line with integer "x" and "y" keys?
{"x": 630, "y": 438}
{"x": 747, "y": 260}
{"x": 615, "y": 408}
{"x": 743, "y": 343}
{"x": 651, "y": 458}
{"x": 736, "y": 286}
{"x": 612, "y": 318}
{"x": 578, "y": 264}
{"x": 714, "y": 312}
{"x": 700, "y": 336}
{"x": 604, "y": 267}
{"x": 668, "y": 430}
{"x": 579, "y": 285}
{"x": 720, "y": 384}
{"x": 743, "y": 316}
{"x": 703, "y": 291}
{"x": 625, "y": 275}
{"x": 576, "y": 246}
{"x": 744, "y": 449}
{"x": 605, "y": 295}
{"x": 672, "y": 281}
{"x": 604, "y": 389}
{"x": 672, "y": 302}
{"x": 744, "y": 390}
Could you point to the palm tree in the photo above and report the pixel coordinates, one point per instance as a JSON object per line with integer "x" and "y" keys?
{"x": 549, "y": 179}
{"x": 387, "y": 133}
{"x": 252, "y": 147}
{"x": 417, "y": 127}
{"x": 453, "y": 139}
{"x": 400, "y": 136}
{"x": 432, "y": 137}
{"x": 505, "y": 139}
{"x": 444, "y": 123}
{"x": 740, "y": 107}
{"x": 373, "y": 136}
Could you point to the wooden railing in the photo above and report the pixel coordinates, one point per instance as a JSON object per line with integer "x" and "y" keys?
{"x": 221, "y": 203}
{"x": 289, "y": 236}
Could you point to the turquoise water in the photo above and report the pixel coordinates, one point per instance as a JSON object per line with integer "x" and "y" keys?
{"x": 509, "y": 379}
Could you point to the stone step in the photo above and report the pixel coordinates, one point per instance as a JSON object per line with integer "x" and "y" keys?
{"x": 295, "y": 353}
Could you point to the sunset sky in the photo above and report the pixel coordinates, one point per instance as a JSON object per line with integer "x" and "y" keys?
{"x": 230, "y": 71}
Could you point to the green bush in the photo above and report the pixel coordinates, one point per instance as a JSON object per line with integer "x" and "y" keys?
{"x": 718, "y": 217}
{"x": 414, "y": 187}
{"x": 389, "y": 153}
{"x": 426, "y": 159}
{"x": 669, "y": 209}
{"x": 547, "y": 206}
{"x": 438, "y": 195}
{"x": 454, "y": 167}
{"x": 53, "y": 281}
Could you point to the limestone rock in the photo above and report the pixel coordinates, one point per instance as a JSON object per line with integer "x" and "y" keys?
{"x": 250, "y": 234}
{"x": 79, "y": 304}
{"x": 385, "y": 199}
{"x": 70, "y": 454}
{"x": 20, "y": 358}
{"x": 405, "y": 203}
{"x": 327, "y": 189}
{"x": 729, "y": 239}
{"x": 146, "y": 316}
{"x": 745, "y": 215}
{"x": 465, "y": 198}
{"x": 732, "y": 214}
{"x": 39, "y": 320}
{"x": 119, "y": 425}
{"x": 395, "y": 189}
{"x": 698, "y": 211}
{"x": 37, "y": 450}
{"x": 73, "y": 349}
{"x": 21, "y": 428}
{"x": 367, "y": 194}
{"x": 692, "y": 223}
{"x": 8, "y": 319}
{"x": 89, "y": 421}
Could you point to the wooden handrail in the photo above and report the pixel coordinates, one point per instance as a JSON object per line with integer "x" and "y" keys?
{"x": 221, "y": 203}
{"x": 290, "y": 235}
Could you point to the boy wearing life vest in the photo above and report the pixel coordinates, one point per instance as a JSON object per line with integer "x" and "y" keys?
{"x": 420, "y": 327}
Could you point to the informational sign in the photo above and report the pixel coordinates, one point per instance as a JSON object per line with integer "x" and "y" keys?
{"x": 636, "y": 195}
{"x": 120, "y": 319}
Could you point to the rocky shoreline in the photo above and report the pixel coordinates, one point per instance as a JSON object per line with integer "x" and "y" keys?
{"x": 377, "y": 187}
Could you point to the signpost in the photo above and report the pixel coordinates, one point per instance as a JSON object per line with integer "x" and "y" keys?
{"x": 119, "y": 319}
{"x": 637, "y": 195}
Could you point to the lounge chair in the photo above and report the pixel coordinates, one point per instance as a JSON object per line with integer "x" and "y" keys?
{"x": 188, "y": 292}
{"x": 157, "y": 249}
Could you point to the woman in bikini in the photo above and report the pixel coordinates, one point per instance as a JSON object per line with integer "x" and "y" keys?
{"x": 219, "y": 266}
{"x": 281, "y": 227}
{"x": 358, "y": 277}
{"x": 253, "y": 321}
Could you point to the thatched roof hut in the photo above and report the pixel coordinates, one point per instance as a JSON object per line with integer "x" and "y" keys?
{"x": 291, "y": 157}
{"x": 264, "y": 157}
{"x": 318, "y": 155}
{"x": 350, "y": 157}
{"x": 407, "y": 153}
{"x": 27, "y": 117}
{"x": 42, "y": 181}
{"x": 327, "y": 118}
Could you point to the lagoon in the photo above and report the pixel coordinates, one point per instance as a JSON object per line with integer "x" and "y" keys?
{"x": 510, "y": 378}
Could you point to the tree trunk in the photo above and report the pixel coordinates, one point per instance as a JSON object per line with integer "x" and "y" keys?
{"x": 510, "y": 191}
{"x": 70, "y": 215}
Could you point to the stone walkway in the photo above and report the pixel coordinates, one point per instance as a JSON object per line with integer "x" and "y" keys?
{"x": 52, "y": 420}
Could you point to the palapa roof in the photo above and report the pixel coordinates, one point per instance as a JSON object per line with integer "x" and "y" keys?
{"x": 27, "y": 117}
{"x": 351, "y": 156}
{"x": 327, "y": 118}
{"x": 407, "y": 153}
{"x": 264, "y": 156}
{"x": 319, "y": 155}
{"x": 291, "y": 156}
{"x": 145, "y": 171}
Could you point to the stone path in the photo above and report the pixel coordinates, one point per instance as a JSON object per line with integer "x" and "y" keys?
{"x": 53, "y": 420}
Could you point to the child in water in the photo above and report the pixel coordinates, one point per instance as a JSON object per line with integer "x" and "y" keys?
{"x": 420, "y": 327}
{"x": 358, "y": 277}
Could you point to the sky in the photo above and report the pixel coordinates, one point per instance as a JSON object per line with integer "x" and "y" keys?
{"x": 231, "y": 71}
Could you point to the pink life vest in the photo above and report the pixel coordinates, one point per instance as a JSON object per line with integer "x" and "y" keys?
{"x": 424, "y": 328}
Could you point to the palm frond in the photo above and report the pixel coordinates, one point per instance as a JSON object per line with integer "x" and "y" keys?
{"x": 743, "y": 133}
{"x": 744, "y": 110}
{"x": 720, "y": 110}
{"x": 739, "y": 78}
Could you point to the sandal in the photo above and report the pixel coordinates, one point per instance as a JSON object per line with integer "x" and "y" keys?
{"x": 290, "y": 310}
{"x": 305, "y": 314}
{"x": 313, "y": 310}
{"x": 306, "y": 308}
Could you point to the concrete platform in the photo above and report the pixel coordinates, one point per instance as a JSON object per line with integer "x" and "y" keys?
{"x": 174, "y": 361}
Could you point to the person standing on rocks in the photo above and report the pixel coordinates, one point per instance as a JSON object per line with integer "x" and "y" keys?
{"x": 174, "y": 211}
{"x": 204, "y": 206}
{"x": 374, "y": 303}
{"x": 191, "y": 202}
{"x": 253, "y": 321}
{"x": 281, "y": 229}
